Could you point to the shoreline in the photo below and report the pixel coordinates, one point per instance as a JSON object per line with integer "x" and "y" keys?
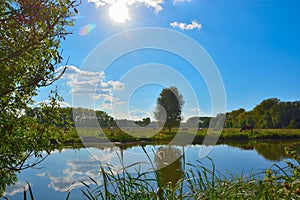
{"x": 166, "y": 142}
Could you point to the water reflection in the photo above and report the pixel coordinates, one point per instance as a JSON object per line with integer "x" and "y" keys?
{"x": 64, "y": 170}
{"x": 18, "y": 187}
{"x": 169, "y": 164}
{"x": 273, "y": 150}
{"x": 76, "y": 171}
{"x": 168, "y": 161}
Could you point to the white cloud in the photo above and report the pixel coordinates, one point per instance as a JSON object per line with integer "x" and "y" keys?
{"x": 110, "y": 102}
{"x": 195, "y": 112}
{"x": 83, "y": 81}
{"x": 18, "y": 187}
{"x": 96, "y": 2}
{"x": 42, "y": 174}
{"x": 74, "y": 71}
{"x": 185, "y": 26}
{"x": 139, "y": 113}
{"x": 61, "y": 103}
{"x": 77, "y": 171}
{"x": 92, "y": 84}
{"x": 154, "y": 4}
{"x": 116, "y": 85}
{"x": 180, "y": 1}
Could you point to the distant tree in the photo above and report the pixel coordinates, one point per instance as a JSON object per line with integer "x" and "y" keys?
{"x": 194, "y": 122}
{"x": 232, "y": 118}
{"x": 284, "y": 112}
{"x": 265, "y": 105}
{"x": 292, "y": 124}
{"x": 103, "y": 118}
{"x": 242, "y": 119}
{"x": 204, "y": 122}
{"x": 198, "y": 122}
{"x": 270, "y": 113}
{"x": 265, "y": 121}
{"x": 262, "y": 113}
{"x": 168, "y": 108}
{"x": 251, "y": 119}
{"x": 219, "y": 120}
{"x": 144, "y": 122}
{"x": 125, "y": 123}
{"x": 112, "y": 122}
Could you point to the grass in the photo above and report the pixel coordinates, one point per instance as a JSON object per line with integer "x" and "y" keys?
{"x": 95, "y": 135}
{"x": 261, "y": 134}
{"x": 197, "y": 182}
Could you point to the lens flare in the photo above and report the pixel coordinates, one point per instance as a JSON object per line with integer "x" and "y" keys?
{"x": 85, "y": 30}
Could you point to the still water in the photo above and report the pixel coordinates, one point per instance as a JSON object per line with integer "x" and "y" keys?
{"x": 64, "y": 170}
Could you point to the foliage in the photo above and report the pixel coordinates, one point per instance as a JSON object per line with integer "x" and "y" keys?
{"x": 91, "y": 135}
{"x": 22, "y": 143}
{"x": 84, "y": 117}
{"x": 169, "y": 106}
{"x": 31, "y": 32}
{"x": 270, "y": 113}
{"x": 199, "y": 122}
{"x": 30, "y": 37}
{"x": 144, "y": 122}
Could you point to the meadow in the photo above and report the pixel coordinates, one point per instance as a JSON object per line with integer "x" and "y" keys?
{"x": 97, "y": 135}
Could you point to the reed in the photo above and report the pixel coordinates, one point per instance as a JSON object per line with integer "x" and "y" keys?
{"x": 198, "y": 182}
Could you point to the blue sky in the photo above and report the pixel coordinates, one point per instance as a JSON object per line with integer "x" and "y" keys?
{"x": 255, "y": 45}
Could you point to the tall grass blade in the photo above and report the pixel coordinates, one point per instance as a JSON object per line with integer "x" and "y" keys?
{"x": 30, "y": 191}
{"x": 68, "y": 196}
{"x": 86, "y": 195}
{"x": 24, "y": 194}
{"x": 95, "y": 182}
{"x": 105, "y": 182}
{"x": 86, "y": 185}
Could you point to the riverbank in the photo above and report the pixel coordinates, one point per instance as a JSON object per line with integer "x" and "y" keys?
{"x": 97, "y": 135}
{"x": 273, "y": 150}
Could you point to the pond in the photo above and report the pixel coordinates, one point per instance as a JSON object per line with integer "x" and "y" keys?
{"x": 64, "y": 170}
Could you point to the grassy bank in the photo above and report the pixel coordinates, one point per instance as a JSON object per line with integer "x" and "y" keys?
{"x": 95, "y": 135}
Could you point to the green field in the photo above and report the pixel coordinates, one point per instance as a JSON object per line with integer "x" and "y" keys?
{"x": 97, "y": 135}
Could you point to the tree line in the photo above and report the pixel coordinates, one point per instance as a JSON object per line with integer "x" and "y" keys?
{"x": 270, "y": 113}
{"x": 83, "y": 117}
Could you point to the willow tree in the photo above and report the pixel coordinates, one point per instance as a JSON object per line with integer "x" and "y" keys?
{"x": 168, "y": 108}
{"x": 30, "y": 36}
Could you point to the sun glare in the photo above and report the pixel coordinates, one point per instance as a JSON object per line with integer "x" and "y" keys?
{"x": 119, "y": 12}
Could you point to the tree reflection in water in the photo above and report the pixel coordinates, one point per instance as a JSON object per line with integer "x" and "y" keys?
{"x": 168, "y": 162}
{"x": 22, "y": 152}
{"x": 167, "y": 159}
{"x": 273, "y": 150}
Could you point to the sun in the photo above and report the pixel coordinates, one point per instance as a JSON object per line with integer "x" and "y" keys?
{"x": 119, "y": 12}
